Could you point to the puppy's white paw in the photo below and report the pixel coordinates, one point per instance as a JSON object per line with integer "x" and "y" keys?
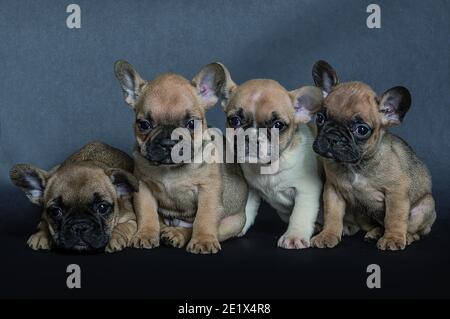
{"x": 39, "y": 240}
{"x": 293, "y": 241}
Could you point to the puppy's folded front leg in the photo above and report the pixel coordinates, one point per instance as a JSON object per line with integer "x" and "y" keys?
{"x": 334, "y": 211}
{"x": 146, "y": 209}
{"x": 206, "y": 224}
{"x": 122, "y": 233}
{"x": 302, "y": 219}
{"x": 395, "y": 221}
{"x": 41, "y": 239}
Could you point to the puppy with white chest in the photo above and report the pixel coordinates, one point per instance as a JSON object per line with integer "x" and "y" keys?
{"x": 189, "y": 203}
{"x": 294, "y": 190}
{"x": 373, "y": 177}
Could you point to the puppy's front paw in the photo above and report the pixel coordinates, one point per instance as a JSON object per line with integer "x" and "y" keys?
{"x": 325, "y": 240}
{"x": 174, "y": 236}
{"x": 410, "y": 238}
{"x": 373, "y": 235}
{"x": 116, "y": 243}
{"x": 293, "y": 241}
{"x": 145, "y": 239}
{"x": 392, "y": 242}
{"x": 203, "y": 244}
{"x": 39, "y": 240}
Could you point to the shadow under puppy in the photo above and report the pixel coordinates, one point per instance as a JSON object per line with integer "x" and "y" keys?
{"x": 294, "y": 190}
{"x": 86, "y": 200}
{"x": 189, "y": 202}
{"x": 373, "y": 177}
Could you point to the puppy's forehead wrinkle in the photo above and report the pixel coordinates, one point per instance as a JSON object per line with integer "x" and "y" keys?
{"x": 262, "y": 97}
{"x": 349, "y": 98}
{"x": 78, "y": 183}
{"x": 168, "y": 97}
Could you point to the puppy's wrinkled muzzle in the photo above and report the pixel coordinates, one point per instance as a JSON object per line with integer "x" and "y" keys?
{"x": 159, "y": 150}
{"x": 336, "y": 145}
{"x": 82, "y": 235}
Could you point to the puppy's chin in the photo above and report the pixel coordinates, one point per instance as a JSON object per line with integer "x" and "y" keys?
{"x": 165, "y": 162}
{"x": 80, "y": 249}
{"x": 79, "y": 246}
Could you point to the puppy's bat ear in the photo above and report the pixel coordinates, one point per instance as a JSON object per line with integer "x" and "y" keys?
{"x": 307, "y": 101}
{"x": 214, "y": 82}
{"x": 324, "y": 76}
{"x": 394, "y": 104}
{"x": 124, "y": 182}
{"x": 31, "y": 180}
{"x": 130, "y": 80}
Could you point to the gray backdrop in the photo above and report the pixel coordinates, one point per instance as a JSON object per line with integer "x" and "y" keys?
{"x": 58, "y": 90}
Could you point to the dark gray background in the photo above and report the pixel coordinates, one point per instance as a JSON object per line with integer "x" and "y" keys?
{"x": 58, "y": 92}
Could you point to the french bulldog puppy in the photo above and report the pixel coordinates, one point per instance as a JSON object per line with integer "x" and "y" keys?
{"x": 372, "y": 176}
{"x": 195, "y": 203}
{"x": 86, "y": 200}
{"x": 294, "y": 190}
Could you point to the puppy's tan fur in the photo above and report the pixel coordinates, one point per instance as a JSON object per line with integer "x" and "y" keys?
{"x": 294, "y": 189}
{"x": 212, "y": 196}
{"x": 388, "y": 193}
{"x": 90, "y": 170}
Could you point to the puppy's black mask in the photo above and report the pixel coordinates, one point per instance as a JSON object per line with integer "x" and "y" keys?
{"x": 82, "y": 228}
{"x": 340, "y": 141}
{"x": 159, "y": 148}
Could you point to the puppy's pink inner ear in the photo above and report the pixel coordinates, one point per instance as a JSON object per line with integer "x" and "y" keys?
{"x": 204, "y": 90}
{"x": 389, "y": 111}
{"x": 207, "y": 94}
{"x": 302, "y": 114}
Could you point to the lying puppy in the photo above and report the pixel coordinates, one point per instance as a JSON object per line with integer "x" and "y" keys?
{"x": 199, "y": 204}
{"x": 86, "y": 200}
{"x": 294, "y": 190}
{"x": 372, "y": 176}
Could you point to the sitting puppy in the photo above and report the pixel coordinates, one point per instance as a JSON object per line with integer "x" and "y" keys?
{"x": 86, "y": 200}
{"x": 372, "y": 176}
{"x": 199, "y": 203}
{"x": 294, "y": 190}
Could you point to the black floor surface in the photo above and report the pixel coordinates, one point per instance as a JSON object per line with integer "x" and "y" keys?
{"x": 249, "y": 267}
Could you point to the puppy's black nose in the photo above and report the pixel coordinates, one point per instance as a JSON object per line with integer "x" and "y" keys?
{"x": 81, "y": 228}
{"x": 167, "y": 142}
{"x": 335, "y": 139}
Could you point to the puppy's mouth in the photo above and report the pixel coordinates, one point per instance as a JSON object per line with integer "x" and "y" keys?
{"x": 344, "y": 154}
{"x": 86, "y": 244}
{"x": 165, "y": 161}
{"x": 80, "y": 247}
{"x": 159, "y": 156}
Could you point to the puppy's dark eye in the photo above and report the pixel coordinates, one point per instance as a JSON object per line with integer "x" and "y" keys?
{"x": 103, "y": 208}
{"x": 279, "y": 125}
{"x": 320, "y": 119}
{"x": 55, "y": 211}
{"x": 144, "y": 125}
{"x": 190, "y": 124}
{"x": 361, "y": 130}
{"x": 234, "y": 121}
